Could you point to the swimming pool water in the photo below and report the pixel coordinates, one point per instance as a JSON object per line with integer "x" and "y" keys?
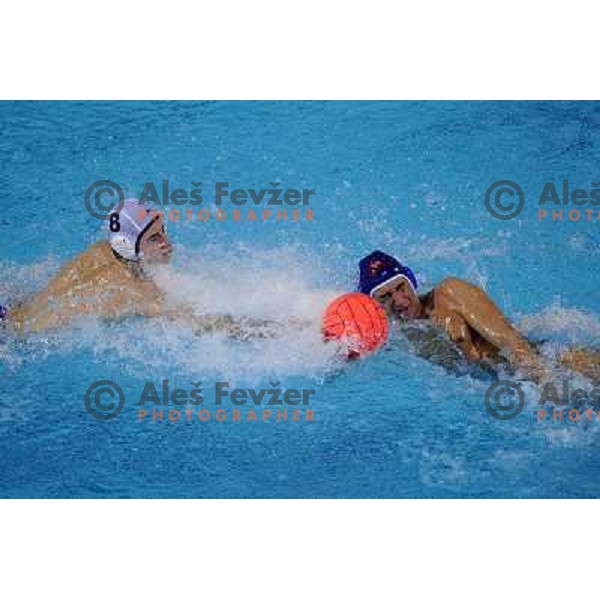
{"x": 405, "y": 177}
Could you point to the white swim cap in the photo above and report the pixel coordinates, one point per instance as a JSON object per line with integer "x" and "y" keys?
{"x": 126, "y": 231}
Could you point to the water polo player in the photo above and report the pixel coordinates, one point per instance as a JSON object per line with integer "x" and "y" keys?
{"x": 466, "y": 314}
{"x": 112, "y": 279}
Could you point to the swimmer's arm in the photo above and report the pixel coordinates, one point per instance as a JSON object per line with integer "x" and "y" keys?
{"x": 48, "y": 309}
{"x": 152, "y": 303}
{"x": 480, "y": 312}
{"x": 237, "y": 328}
{"x": 460, "y": 333}
{"x": 17, "y": 317}
{"x": 56, "y": 304}
{"x": 147, "y": 300}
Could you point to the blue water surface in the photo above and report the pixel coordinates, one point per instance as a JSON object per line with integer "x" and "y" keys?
{"x": 405, "y": 177}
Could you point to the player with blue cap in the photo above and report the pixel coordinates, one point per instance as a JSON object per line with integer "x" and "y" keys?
{"x": 391, "y": 283}
{"x": 466, "y": 314}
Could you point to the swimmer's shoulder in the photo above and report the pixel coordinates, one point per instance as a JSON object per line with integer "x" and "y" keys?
{"x": 453, "y": 285}
{"x": 93, "y": 257}
{"x": 449, "y": 295}
{"x": 96, "y": 256}
{"x": 97, "y": 261}
{"x": 454, "y": 289}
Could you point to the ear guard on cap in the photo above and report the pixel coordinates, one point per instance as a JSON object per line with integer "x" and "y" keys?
{"x": 124, "y": 246}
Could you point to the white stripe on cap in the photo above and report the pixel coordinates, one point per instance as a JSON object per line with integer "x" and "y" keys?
{"x": 387, "y": 281}
{"x": 135, "y": 223}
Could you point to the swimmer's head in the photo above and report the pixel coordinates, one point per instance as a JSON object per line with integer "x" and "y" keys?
{"x": 155, "y": 246}
{"x": 391, "y": 283}
{"x": 138, "y": 234}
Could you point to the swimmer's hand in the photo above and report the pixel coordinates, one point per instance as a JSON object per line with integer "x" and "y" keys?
{"x": 241, "y": 329}
{"x": 531, "y": 365}
{"x": 296, "y": 323}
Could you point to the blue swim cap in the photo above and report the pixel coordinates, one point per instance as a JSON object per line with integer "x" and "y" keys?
{"x": 379, "y": 268}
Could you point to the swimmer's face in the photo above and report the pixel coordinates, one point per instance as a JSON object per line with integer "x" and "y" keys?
{"x": 399, "y": 299}
{"x": 155, "y": 247}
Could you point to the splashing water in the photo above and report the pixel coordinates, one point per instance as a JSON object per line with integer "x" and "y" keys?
{"x": 404, "y": 178}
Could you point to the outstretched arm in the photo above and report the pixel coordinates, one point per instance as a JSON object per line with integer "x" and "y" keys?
{"x": 242, "y": 328}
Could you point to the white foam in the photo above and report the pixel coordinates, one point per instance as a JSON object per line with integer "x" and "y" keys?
{"x": 270, "y": 285}
{"x": 19, "y": 280}
{"x": 570, "y": 325}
